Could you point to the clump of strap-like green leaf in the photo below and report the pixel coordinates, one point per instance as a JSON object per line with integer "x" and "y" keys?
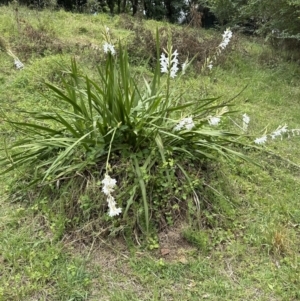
{"x": 140, "y": 117}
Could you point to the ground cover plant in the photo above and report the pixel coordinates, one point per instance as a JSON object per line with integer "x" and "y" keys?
{"x": 243, "y": 243}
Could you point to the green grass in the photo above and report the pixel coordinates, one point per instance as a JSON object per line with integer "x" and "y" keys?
{"x": 245, "y": 245}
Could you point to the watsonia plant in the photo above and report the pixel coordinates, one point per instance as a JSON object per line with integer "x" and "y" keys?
{"x": 115, "y": 119}
{"x": 3, "y": 47}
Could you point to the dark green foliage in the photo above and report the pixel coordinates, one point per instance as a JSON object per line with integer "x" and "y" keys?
{"x": 276, "y": 18}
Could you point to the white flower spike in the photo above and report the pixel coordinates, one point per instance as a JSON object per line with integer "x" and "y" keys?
{"x": 279, "y": 131}
{"x": 19, "y": 65}
{"x": 189, "y": 123}
{"x": 227, "y": 35}
{"x": 113, "y": 210}
{"x": 174, "y": 69}
{"x": 214, "y": 120}
{"x": 184, "y": 66}
{"x": 109, "y": 48}
{"x": 169, "y": 64}
{"x": 186, "y": 123}
{"x": 108, "y": 185}
{"x": 107, "y": 189}
{"x": 246, "y": 120}
{"x": 163, "y": 63}
{"x": 261, "y": 140}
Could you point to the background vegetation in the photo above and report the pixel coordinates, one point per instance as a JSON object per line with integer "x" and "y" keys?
{"x": 278, "y": 19}
{"x": 244, "y": 243}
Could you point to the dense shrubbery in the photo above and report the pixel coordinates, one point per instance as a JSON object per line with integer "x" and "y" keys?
{"x": 279, "y": 18}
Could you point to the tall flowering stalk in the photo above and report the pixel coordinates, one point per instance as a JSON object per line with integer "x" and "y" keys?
{"x": 169, "y": 63}
{"x": 108, "y": 46}
{"x": 246, "y": 120}
{"x": 279, "y": 132}
{"x": 226, "y": 37}
{"x": 185, "y": 65}
{"x": 18, "y": 64}
{"x": 215, "y": 120}
{"x": 109, "y": 186}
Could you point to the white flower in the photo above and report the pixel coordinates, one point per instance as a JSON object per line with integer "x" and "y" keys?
{"x": 108, "y": 188}
{"x": 227, "y": 35}
{"x": 189, "y": 123}
{"x": 108, "y": 184}
{"x": 261, "y": 140}
{"x": 184, "y": 66}
{"x": 169, "y": 64}
{"x": 214, "y": 120}
{"x": 113, "y": 210}
{"x": 109, "y": 48}
{"x": 174, "y": 70}
{"x": 164, "y": 63}
{"x": 186, "y": 123}
{"x": 279, "y": 131}
{"x": 175, "y": 54}
{"x": 18, "y": 64}
{"x": 295, "y": 132}
{"x": 246, "y": 120}
{"x": 210, "y": 65}
{"x": 178, "y": 127}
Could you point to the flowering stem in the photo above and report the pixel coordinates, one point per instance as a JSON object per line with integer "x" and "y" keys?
{"x": 236, "y": 123}
{"x": 109, "y": 150}
{"x": 168, "y": 75}
{"x": 168, "y": 90}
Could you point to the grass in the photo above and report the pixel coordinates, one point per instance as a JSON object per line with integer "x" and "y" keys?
{"x": 245, "y": 246}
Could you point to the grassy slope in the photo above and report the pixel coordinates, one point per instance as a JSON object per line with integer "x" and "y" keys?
{"x": 251, "y": 253}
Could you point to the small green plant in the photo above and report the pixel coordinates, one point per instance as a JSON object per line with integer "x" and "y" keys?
{"x": 130, "y": 128}
{"x": 199, "y": 238}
